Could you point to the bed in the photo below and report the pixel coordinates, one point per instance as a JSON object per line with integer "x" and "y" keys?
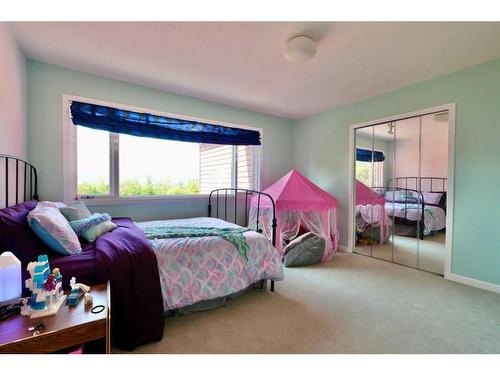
{"x": 423, "y": 208}
{"x": 150, "y": 275}
{"x": 195, "y": 269}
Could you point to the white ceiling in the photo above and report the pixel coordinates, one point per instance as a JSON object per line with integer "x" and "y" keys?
{"x": 242, "y": 63}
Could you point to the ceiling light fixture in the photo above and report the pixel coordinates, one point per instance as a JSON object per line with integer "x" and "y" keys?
{"x": 300, "y": 49}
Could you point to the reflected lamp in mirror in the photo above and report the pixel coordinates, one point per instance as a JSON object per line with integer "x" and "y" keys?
{"x": 10, "y": 279}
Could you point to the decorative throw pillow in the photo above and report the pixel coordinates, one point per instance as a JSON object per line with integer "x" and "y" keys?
{"x": 401, "y": 196}
{"x": 305, "y": 250}
{"x": 53, "y": 229}
{"x": 77, "y": 211}
{"x": 393, "y": 196}
{"x": 60, "y": 204}
{"x": 432, "y": 198}
{"x": 409, "y": 197}
{"x": 92, "y": 227}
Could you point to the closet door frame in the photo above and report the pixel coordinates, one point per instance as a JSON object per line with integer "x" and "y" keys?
{"x": 450, "y": 107}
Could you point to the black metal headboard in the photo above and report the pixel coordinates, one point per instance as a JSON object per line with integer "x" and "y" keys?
{"x": 433, "y": 183}
{"x": 18, "y": 173}
{"x": 225, "y": 194}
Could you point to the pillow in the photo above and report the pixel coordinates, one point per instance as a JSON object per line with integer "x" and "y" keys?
{"x": 432, "y": 198}
{"x": 305, "y": 250}
{"x": 53, "y": 229}
{"x": 77, "y": 211}
{"x": 401, "y": 196}
{"x": 393, "y": 195}
{"x": 93, "y": 226}
{"x": 15, "y": 234}
{"x": 95, "y": 231}
{"x": 442, "y": 202}
{"x": 409, "y": 196}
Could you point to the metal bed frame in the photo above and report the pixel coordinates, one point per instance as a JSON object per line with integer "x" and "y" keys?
{"x": 228, "y": 194}
{"x": 25, "y": 173}
{"x": 419, "y": 181}
{"x": 394, "y": 185}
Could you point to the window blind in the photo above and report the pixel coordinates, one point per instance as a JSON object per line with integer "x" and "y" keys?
{"x": 153, "y": 126}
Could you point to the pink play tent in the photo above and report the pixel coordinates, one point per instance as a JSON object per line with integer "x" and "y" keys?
{"x": 298, "y": 202}
{"x": 371, "y": 207}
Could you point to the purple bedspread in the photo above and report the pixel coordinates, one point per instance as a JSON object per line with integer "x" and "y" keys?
{"x": 122, "y": 256}
{"x": 125, "y": 258}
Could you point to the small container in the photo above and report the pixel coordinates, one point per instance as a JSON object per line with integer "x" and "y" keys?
{"x": 10, "y": 279}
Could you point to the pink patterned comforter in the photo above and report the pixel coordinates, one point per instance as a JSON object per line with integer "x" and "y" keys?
{"x": 195, "y": 269}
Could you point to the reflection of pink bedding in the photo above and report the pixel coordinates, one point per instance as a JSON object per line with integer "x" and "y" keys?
{"x": 202, "y": 268}
{"x": 434, "y": 216}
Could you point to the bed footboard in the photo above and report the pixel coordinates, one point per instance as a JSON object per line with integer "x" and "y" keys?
{"x": 220, "y": 201}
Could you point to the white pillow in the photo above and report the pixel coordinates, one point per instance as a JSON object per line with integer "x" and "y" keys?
{"x": 53, "y": 229}
{"x": 60, "y": 204}
{"x": 400, "y": 195}
{"x": 432, "y": 198}
{"x": 393, "y": 195}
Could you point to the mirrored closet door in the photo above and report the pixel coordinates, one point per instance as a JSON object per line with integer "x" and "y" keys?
{"x": 401, "y": 191}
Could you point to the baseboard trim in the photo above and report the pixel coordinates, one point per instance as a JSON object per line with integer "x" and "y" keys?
{"x": 344, "y": 249}
{"x": 473, "y": 282}
{"x": 495, "y": 288}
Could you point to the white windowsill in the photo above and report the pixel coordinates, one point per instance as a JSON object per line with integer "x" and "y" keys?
{"x": 143, "y": 200}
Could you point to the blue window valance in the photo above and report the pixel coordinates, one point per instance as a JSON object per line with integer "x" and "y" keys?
{"x": 153, "y": 126}
{"x": 366, "y": 155}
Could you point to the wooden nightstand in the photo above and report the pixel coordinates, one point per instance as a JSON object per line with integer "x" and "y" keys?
{"x": 71, "y": 326}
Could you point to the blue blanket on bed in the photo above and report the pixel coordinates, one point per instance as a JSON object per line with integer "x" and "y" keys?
{"x": 233, "y": 235}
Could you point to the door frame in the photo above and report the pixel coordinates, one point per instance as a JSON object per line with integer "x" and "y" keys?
{"x": 450, "y": 107}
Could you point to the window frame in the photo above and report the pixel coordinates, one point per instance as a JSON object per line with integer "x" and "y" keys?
{"x": 375, "y": 169}
{"x": 70, "y": 172}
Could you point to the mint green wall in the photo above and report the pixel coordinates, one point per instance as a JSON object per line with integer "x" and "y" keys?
{"x": 321, "y": 147}
{"x": 46, "y": 86}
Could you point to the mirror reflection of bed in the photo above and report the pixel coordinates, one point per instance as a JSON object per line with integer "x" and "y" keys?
{"x": 401, "y": 191}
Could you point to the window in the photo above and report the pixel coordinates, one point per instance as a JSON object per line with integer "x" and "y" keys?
{"x": 149, "y": 166}
{"x": 366, "y": 174}
{"x": 120, "y": 165}
{"x": 224, "y": 165}
{"x": 93, "y": 162}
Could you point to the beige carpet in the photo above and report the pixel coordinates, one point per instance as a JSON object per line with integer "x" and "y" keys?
{"x": 431, "y": 252}
{"x": 355, "y": 305}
